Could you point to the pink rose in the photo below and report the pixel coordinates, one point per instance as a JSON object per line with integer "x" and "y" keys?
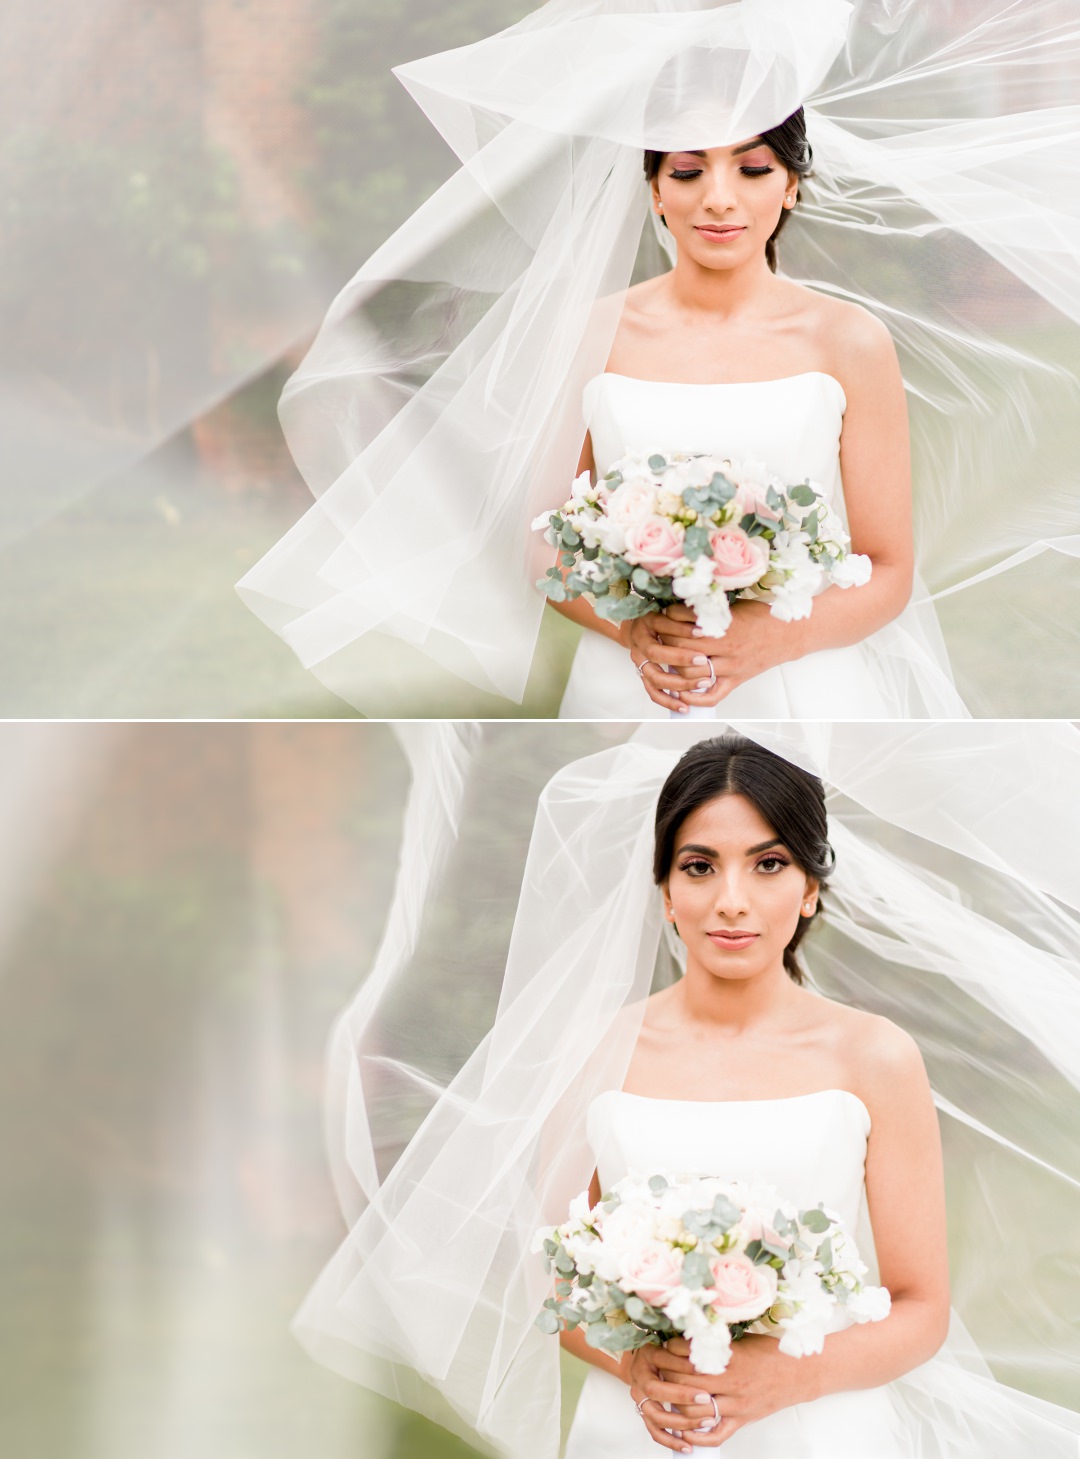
{"x": 751, "y": 498}
{"x": 740, "y": 1290}
{"x": 738, "y": 560}
{"x": 653, "y": 1271}
{"x": 758, "y": 1230}
{"x": 631, "y": 502}
{"x": 655, "y": 544}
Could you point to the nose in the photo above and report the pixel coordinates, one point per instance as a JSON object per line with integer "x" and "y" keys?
{"x": 731, "y": 892}
{"x": 719, "y": 194}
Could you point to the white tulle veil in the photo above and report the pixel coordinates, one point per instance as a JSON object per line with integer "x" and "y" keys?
{"x": 456, "y": 1127}
{"x": 439, "y": 409}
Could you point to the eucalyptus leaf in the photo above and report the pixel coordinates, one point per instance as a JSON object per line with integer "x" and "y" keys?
{"x": 805, "y": 495}
{"x": 658, "y": 463}
{"x": 696, "y": 1272}
{"x": 815, "y": 1220}
{"x": 725, "y": 1212}
{"x": 548, "y": 1322}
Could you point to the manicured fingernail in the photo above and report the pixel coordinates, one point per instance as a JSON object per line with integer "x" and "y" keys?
{"x": 697, "y": 633}
{"x": 700, "y": 659}
{"x": 704, "y": 683}
{"x": 701, "y": 1398}
{"x": 684, "y": 709}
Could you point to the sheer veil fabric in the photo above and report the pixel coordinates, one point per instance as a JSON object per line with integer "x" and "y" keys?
{"x": 439, "y": 409}
{"x": 954, "y": 910}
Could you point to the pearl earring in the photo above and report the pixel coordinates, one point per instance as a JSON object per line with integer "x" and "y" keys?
{"x": 808, "y": 907}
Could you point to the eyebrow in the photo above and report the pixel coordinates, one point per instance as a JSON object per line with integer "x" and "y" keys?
{"x": 711, "y": 851}
{"x": 735, "y": 151}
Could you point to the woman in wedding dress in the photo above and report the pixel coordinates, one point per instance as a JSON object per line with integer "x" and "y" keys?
{"x": 951, "y": 921}
{"x": 741, "y": 1072}
{"x": 722, "y": 356}
{"x": 440, "y": 409}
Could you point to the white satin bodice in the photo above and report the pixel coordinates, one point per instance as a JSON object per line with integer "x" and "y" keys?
{"x": 811, "y": 1147}
{"x": 791, "y": 424}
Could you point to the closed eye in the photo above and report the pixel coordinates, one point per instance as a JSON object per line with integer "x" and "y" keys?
{"x": 683, "y": 173}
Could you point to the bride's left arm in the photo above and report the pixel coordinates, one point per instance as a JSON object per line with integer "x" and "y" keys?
{"x": 906, "y": 1198}
{"x": 875, "y": 464}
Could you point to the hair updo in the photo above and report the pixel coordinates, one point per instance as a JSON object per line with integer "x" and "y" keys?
{"x": 790, "y": 799}
{"x": 792, "y": 150}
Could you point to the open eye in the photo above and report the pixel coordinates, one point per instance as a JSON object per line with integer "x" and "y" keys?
{"x": 770, "y": 865}
{"x": 695, "y": 866}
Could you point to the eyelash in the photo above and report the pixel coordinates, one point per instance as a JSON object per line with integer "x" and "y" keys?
{"x": 696, "y": 172}
{"x": 692, "y": 862}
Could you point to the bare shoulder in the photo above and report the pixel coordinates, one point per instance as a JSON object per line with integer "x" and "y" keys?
{"x": 858, "y": 343}
{"x": 880, "y": 1058}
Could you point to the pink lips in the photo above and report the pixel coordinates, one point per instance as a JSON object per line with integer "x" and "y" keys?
{"x": 732, "y": 941}
{"x": 720, "y": 235}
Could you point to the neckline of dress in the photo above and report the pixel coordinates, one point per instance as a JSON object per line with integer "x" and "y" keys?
{"x": 718, "y": 384}
{"x": 708, "y": 1103}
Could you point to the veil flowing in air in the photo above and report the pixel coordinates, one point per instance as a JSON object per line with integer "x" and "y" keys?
{"x": 460, "y": 1076}
{"x": 439, "y": 409}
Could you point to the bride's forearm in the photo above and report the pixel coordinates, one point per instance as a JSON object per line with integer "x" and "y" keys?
{"x": 580, "y": 610}
{"x": 843, "y": 616}
{"x": 875, "y": 1353}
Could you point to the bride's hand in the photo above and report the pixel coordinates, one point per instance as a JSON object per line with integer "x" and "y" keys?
{"x": 649, "y": 637}
{"x": 754, "y": 642}
{"x": 758, "y": 1380}
{"x": 641, "y": 1368}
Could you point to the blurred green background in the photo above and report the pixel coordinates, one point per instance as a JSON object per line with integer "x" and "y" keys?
{"x": 183, "y": 912}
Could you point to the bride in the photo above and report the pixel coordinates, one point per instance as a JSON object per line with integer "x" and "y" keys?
{"x": 440, "y": 409}
{"x": 721, "y": 355}
{"x": 659, "y": 1002}
{"x": 742, "y": 1072}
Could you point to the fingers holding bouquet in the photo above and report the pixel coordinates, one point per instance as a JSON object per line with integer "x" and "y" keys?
{"x": 669, "y": 1409}
{"x": 673, "y": 672}
{"x": 689, "y": 1282}
{"x": 718, "y": 543}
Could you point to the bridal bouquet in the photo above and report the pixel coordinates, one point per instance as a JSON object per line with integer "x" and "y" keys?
{"x": 706, "y": 1259}
{"x": 702, "y": 529}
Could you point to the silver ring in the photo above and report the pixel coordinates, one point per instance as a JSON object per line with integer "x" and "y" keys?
{"x": 707, "y": 1425}
{"x": 712, "y": 681}
{"x": 641, "y": 1405}
{"x": 641, "y": 666}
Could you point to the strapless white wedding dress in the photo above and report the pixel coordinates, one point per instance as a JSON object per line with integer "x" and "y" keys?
{"x": 812, "y": 1148}
{"x": 793, "y": 426}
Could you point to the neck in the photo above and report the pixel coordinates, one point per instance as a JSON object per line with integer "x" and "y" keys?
{"x": 733, "y": 1005}
{"x": 724, "y": 293}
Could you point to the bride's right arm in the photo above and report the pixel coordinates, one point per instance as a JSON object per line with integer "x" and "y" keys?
{"x": 636, "y": 636}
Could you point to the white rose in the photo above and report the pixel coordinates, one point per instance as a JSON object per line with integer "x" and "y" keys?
{"x": 543, "y": 520}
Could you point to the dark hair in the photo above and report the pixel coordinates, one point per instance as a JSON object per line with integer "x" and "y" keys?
{"x": 790, "y": 799}
{"x": 788, "y": 142}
